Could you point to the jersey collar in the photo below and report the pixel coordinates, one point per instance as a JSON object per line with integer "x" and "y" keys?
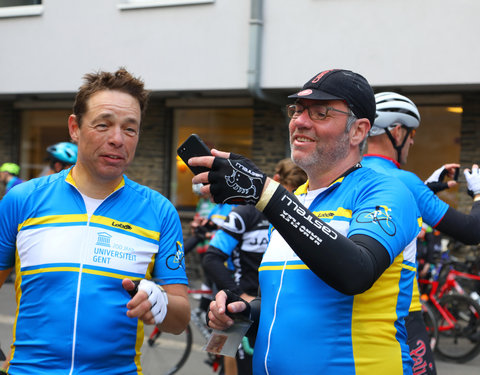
{"x": 303, "y": 188}
{"x": 70, "y": 180}
{"x": 397, "y": 164}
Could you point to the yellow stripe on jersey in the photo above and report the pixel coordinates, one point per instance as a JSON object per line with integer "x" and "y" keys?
{"x": 54, "y": 219}
{"x": 77, "y": 269}
{"x": 416, "y": 305}
{"x": 147, "y": 233}
{"x": 280, "y": 267}
{"x": 378, "y": 305}
{"x": 339, "y": 212}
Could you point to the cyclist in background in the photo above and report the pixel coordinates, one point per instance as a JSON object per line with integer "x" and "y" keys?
{"x": 9, "y": 175}
{"x": 397, "y": 120}
{"x": 61, "y": 156}
{"x": 243, "y": 238}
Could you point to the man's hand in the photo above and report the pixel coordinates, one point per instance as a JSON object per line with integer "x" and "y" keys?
{"x": 217, "y": 317}
{"x": 149, "y": 303}
{"x": 473, "y": 180}
{"x": 232, "y": 179}
{"x": 436, "y": 181}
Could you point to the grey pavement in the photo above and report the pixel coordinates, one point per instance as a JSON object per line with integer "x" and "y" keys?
{"x": 195, "y": 364}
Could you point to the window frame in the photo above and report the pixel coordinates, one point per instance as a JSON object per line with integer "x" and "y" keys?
{"x": 140, "y": 4}
{"x": 27, "y": 10}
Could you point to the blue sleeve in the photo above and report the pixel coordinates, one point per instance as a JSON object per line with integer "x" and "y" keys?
{"x": 10, "y": 207}
{"x": 387, "y": 212}
{"x": 224, "y": 242}
{"x": 169, "y": 265}
{"x": 431, "y": 207}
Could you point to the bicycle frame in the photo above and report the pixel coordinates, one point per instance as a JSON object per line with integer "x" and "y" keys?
{"x": 434, "y": 300}
{"x": 450, "y": 284}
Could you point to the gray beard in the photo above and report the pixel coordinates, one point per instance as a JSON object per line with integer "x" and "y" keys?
{"x": 325, "y": 156}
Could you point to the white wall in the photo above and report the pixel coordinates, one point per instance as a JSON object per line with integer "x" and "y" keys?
{"x": 206, "y": 47}
{"x": 172, "y": 48}
{"x": 391, "y": 42}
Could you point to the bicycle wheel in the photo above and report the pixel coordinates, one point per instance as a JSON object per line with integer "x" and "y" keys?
{"x": 462, "y": 342}
{"x": 430, "y": 323}
{"x": 165, "y": 353}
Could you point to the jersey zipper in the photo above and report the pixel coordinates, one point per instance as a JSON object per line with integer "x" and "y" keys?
{"x": 80, "y": 272}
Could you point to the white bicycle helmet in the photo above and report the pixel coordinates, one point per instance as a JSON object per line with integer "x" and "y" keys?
{"x": 393, "y": 108}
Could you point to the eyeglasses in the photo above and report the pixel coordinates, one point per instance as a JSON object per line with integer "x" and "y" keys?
{"x": 315, "y": 111}
{"x": 410, "y": 131}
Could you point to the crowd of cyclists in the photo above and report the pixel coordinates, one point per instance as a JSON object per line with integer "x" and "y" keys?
{"x": 307, "y": 255}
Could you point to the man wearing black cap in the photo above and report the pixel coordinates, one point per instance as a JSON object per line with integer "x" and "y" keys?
{"x": 336, "y": 279}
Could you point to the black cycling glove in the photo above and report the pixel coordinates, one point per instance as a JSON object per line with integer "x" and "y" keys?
{"x": 236, "y": 180}
{"x": 232, "y": 297}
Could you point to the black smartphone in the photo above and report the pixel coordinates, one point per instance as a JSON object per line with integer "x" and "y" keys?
{"x": 193, "y": 146}
{"x": 455, "y": 177}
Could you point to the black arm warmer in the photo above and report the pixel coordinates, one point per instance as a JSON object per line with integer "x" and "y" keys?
{"x": 462, "y": 227}
{"x": 213, "y": 265}
{"x": 350, "y": 266}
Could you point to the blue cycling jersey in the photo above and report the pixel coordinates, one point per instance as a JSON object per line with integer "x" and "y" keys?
{"x": 71, "y": 316}
{"x": 431, "y": 207}
{"x": 306, "y": 326}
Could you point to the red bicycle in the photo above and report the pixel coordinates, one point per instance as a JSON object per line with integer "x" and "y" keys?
{"x": 457, "y": 315}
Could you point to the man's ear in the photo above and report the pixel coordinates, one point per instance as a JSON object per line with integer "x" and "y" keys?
{"x": 73, "y": 128}
{"x": 359, "y": 131}
{"x": 397, "y": 134}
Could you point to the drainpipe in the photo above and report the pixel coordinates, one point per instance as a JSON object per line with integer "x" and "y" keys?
{"x": 255, "y": 55}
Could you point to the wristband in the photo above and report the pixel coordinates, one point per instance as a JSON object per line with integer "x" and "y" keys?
{"x": 267, "y": 195}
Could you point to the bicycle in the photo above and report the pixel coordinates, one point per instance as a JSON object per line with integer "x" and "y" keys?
{"x": 164, "y": 350}
{"x": 457, "y": 334}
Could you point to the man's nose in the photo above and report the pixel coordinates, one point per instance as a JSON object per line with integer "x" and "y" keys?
{"x": 116, "y": 135}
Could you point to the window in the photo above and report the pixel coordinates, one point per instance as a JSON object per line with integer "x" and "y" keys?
{"x": 19, "y": 8}
{"x": 228, "y": 129}
{"x": 40, "y": 129}
{"x": 136, "y": 4}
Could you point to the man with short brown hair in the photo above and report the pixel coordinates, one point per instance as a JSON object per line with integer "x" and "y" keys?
{"x": 80, "y": 238}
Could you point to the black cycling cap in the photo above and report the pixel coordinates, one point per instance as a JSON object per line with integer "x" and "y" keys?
{"x": 340, "y": 84}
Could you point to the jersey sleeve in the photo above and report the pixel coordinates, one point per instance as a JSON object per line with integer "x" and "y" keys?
{"x": 387, "y": 212}
{"x": 10, "y": 207}
{"x": 169, "y": 265}
{"x": 431, "y": 207}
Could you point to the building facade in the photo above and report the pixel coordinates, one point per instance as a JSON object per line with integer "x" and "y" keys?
{"x": 223, "y": 69}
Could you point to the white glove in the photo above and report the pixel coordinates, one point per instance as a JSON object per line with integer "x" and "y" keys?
{"x": 437, "y": 176}
{"x": 473, "y": 180}
{"x": 157, "y": 297}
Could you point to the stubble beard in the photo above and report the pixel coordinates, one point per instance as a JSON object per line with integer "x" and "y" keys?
{"x": 325, "y": 155}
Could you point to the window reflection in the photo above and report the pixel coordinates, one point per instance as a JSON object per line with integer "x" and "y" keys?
{"x": 228, "y": 129}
